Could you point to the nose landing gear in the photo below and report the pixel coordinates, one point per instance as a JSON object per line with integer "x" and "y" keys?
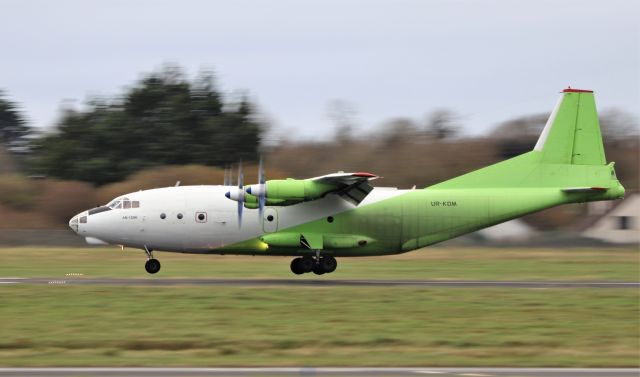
{"x": 152, "y": 265}
{"x": 318, "y": 265}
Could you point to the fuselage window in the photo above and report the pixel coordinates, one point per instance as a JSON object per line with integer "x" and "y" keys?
{"x": 179, "y": 216}
{"x": 163, "y": 216}
{"x": 201, "y": 217}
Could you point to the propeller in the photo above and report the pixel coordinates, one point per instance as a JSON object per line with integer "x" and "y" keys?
{"x": 237, "y": 193}
{"x": 259, "y": 190}
{"x": 262, "y": 195}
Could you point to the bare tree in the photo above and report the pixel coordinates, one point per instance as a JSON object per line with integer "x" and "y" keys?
{"x": 442, "y": 124}
{"x": 342, "y": 113}
{"x": 616, "y": 124}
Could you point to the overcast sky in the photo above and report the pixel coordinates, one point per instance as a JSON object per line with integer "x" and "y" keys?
{"x": 486, "y": 60}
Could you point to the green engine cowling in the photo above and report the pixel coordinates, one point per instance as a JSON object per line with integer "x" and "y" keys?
{"x": 251, "y": 202}
{"x": 296, "y": 189}
{"x": 284, "y": 192}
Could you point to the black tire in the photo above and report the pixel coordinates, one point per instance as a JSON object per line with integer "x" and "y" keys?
{"x": 296, "y": 266}
{"x": 152, "y": 266}
{"x": 307, "y": 264}
{"x": 317, "y": 269}
{"x": 329, "y": 264}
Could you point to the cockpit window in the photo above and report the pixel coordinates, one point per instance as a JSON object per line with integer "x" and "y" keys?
{"x": 98, "y": 210}
{"x": 123, "y": 203}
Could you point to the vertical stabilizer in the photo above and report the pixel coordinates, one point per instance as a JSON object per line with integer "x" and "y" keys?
{"x": 572, "y": 133}
{"x": 568, "y": 154}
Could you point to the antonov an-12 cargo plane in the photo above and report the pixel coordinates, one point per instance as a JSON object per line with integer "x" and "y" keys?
{"x": 341, "y": 215}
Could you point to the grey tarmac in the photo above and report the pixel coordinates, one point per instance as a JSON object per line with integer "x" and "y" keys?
{"x": 310, "y": 371}
{"x": 155, "y": 281}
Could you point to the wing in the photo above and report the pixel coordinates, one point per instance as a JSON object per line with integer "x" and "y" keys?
{"x": 342, "y": 178}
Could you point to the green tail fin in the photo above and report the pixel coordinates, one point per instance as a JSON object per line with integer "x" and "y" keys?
{"x": 572, "y": 133}
{"x": 568, "y": 154}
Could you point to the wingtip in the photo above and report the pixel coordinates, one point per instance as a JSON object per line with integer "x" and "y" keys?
{"x": 364, "y": 174}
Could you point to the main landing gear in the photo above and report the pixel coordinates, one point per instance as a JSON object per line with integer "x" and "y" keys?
{"x": 318, "y": 265}
{"x": 152, "y": 265}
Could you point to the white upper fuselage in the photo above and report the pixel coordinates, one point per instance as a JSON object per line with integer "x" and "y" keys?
{"x": 199, "y": 218}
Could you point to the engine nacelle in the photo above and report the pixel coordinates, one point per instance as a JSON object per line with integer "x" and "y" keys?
{"x": 291, "y": 189}
{"x": 251, "y": 202}
{"x": 235, "y": 193}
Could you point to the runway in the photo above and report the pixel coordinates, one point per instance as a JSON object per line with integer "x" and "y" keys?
{"x": 155, "y": 281}
{"x": 441, "y": 372}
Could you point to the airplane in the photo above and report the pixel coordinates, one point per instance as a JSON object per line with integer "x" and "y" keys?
{"x": 318, "y": 219}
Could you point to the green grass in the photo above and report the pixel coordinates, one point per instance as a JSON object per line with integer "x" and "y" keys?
{"x": 231, "y": 326}
{"x": 621, "y": 264}
{"x": 71, "y": 325}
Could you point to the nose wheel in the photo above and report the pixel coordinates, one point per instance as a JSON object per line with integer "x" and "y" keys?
{"x": 152, "y": 265}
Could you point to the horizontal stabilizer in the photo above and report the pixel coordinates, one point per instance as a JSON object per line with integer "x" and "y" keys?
{"x": 584, "y": 189}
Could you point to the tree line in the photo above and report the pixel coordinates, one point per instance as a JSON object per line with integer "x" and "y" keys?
{"x": 164, "y": 119}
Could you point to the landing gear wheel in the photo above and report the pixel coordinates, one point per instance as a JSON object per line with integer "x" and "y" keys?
{"x": 317, "y": 269}
{"x": 152, "y": 266}
{"x": 297, "y": 267}
{"x": 307, "y": 264}
{"x": 328, "y": 264}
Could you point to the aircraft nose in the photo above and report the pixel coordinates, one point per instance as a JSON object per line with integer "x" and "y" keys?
{"x": 74, "y": 222}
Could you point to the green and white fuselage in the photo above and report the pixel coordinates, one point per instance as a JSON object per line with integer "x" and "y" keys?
{"x": 343, "y": 216}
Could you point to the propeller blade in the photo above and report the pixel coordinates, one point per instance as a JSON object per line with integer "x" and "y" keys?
{"x": 241, "y": 193}
{"x": 227, "y": 177}
{"x": 262, "y": 195}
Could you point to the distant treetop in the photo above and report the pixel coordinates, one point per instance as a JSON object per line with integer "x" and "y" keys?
{"x": 163, "y": 119}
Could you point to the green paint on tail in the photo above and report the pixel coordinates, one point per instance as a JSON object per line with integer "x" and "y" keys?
{"x": 574, "y": 137}
{"x": 569, "y": 153}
